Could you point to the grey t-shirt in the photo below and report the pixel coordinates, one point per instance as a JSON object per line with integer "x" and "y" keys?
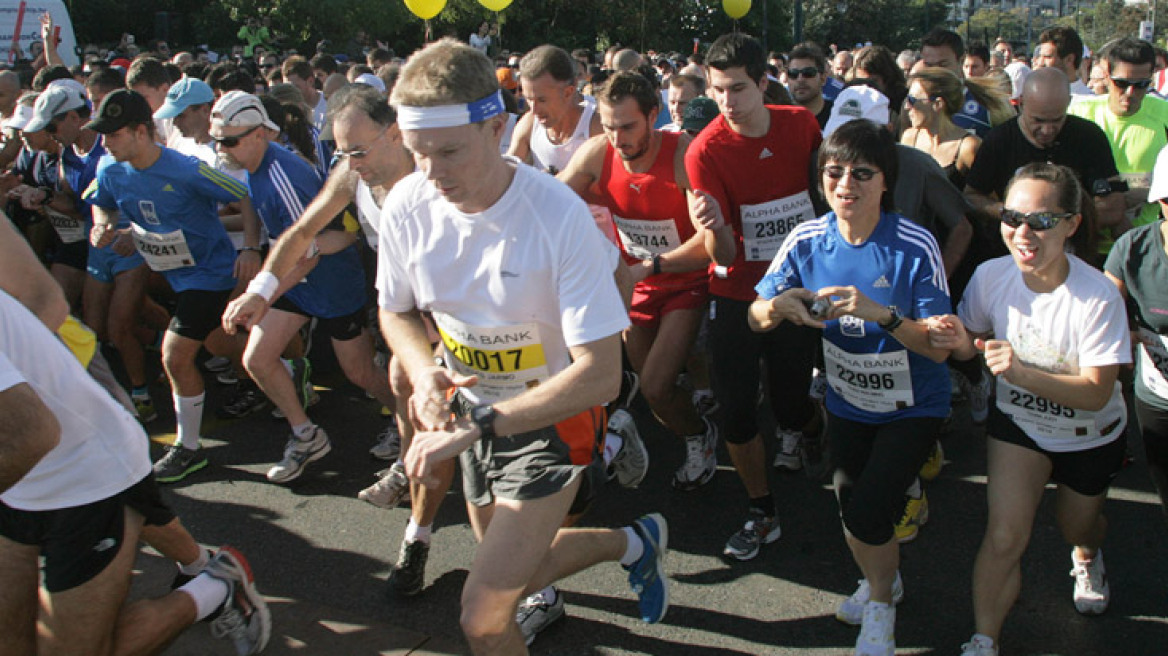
{"x": 924, "y": 194}
{"x": 1139, "y": 261}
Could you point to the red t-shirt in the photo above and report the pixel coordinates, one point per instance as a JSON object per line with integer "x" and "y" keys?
{"x": 761, "y": 185}
{"x": 649, "y": 212}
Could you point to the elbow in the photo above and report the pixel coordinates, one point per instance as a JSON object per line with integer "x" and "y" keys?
{"x": 1097, "y": 401}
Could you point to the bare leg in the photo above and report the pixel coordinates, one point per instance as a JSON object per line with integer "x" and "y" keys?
{"x": 879, "y": 563}
{"x": 19, "y": 578}
{"x": 659, "y": 356}
{"x": 262, "y": 359}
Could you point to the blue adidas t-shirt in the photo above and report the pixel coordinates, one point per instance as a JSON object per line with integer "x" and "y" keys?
{"x": 872, "y": 377}
{"x": 282, "y": 186}
{"x": 175, "y": 200}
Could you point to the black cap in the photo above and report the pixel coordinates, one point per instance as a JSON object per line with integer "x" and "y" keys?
{"x": 119, "y": 109}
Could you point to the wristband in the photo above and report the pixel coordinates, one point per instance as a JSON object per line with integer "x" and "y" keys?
{"x": 265, "y": 284}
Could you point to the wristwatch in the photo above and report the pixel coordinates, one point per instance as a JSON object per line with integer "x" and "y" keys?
{"x": 484, "y": 417}
{"x": 893, "y": 323}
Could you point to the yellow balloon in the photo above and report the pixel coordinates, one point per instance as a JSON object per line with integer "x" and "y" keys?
{"x": 495, "y": 5}
{"x": 426, "y": 9}
{"x": 736, "y": 8}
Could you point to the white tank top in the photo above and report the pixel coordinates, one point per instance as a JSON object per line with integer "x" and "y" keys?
{"x": 553, "y": 158}
{"x": 367, "y": 213}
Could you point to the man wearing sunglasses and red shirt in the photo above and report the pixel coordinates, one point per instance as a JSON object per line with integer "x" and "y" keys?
{"x": 1136, "y": 125}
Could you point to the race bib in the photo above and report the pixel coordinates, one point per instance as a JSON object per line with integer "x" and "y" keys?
{"x": 1154, "y": 362}
{"x": 644, "y": 239}
{"x": 70, "y": 230}
{"x": 1137, "y": 180}
{"x": 163, "y": 251}
{"x": 875, "y": 382}
{"x": 508, "y": 360}
{"x": 1040, "y": 417}
{"x": 603, "y": 218}
{"x": 765, "y": 226}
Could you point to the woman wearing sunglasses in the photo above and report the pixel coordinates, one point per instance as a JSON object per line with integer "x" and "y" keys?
{"x": 934, "y": 96}
{"x": 868, "y": 277}
{"x": 1053, "y": 330}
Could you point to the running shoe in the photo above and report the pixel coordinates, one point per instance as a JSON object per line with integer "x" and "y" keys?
{"x": 178, "y": 463}
{"x": 389, "y": 490}
{"x": 1092, "y": 593}
{"x": 916, "y": 514}
{"x": 227, "y": 377}
{"x": 758, "y": 530}
{"x": 216, "y": 364}
{"x": 851, "y": 610}
{"x": 979, "y": 645}
{"x": 817, "y": 391}
{"x": 957, "y": 386}
{"x": 701, "y": 459}
{"x": 979, "y": 397}
{"x": 144, "y": 406}
{"x": 932, "y": 467}
{"x": 789, "y": 456}
{"x": 388, "y": 445}
{"x": 631, "y": 463}
{"x": 244, "y": 618}
{"x": 705, "y": 402}
{"x": 630, "y": 386}
{"x": 409, "y": 574}
{"x": 877, "y": 630}
{"x": 244, "y": 399}
{"x": 298, "y": 453}
{"x": 647, "y": 575}
{"x": 536, "y": 614}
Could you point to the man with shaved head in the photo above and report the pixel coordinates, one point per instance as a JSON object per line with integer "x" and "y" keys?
{"x": 1044, "y": 132}
{"x": 626, "y": 60}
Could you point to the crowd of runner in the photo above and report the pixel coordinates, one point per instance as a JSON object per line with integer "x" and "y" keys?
{"x": 506, "y": 249}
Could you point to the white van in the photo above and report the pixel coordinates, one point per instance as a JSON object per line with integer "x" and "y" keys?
{"x": 20, "y": 25}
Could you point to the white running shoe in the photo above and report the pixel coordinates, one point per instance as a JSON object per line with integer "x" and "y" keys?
{"x": 701, "y": 460}
{"x": 979, "y": 645}
{"x": 388, "y": 445}
{"x": 1092, "y": 593}
{"x": 298, "y": 453}
{"x": 877, "y": 631}
{"x": 851, "y": 610}
{"x": 631, "y": 463}
{"x": 389, "y": 490}
{"x": 979, "y": 397}
{"x": 535, "y": 614}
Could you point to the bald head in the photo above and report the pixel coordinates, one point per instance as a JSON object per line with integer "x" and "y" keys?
{"x": 626, "y": 60}
{"x": 1048, "y": 86}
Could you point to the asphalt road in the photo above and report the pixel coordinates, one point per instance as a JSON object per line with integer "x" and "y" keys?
{"x": 313, "y": 544}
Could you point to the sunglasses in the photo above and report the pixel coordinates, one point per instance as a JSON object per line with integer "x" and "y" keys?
{"x": 233, "y": 141}
{"x": 859, "y": 173}
{"x": 358, "y": 153}
{"x": 1140, "y": 85}
{"x": 912, "y": 102}
{"x": 1036, "y": 221}
{"x": 808, "y": 72}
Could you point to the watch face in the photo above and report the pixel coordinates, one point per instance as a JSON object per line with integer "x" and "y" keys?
{"x": 1101, "y": 188}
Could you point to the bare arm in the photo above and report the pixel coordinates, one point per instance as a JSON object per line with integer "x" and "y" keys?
{"x": 521, "y": 138}
{"x": 1111, "y": 213}
{"x": 983, "y": 202}
{"x": 49, "y": 38}
{"x": 956, "y": 244}
{"x": 28, "y": 431}
{"x": 26, "y": 280}
{"x": 585, "y": 167}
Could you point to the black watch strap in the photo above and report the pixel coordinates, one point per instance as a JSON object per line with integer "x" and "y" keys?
{"x": 484, "y": 416}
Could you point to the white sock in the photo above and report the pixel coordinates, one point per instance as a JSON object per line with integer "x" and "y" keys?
{"x": 634, "y": 548}
{"x": 208, "y": 592}
{"x": 197, "y": 565}
{"x": 414, "y": 533}
{"x": 612, "y": 446}
{"x": 301, "y": 431}
{"x": 188, "y": 412}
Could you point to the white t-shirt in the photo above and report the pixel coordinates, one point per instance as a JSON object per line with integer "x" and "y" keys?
{"x": 367, "y": 213}
{"x": 480, "y": 43}
{"x": 102, "y": 449}
{"x": 511, "y": 288}
{"x": 1083, "y": 323}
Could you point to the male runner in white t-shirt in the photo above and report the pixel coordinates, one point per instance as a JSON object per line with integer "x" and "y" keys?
{"x": 531, "y": 334}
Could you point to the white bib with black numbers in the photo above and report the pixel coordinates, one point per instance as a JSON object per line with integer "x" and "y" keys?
{"x": 765, "y": 226}
{"x": 875, "y": 382}
{"x": 163, "y": 251}
{"x": 69, "y": 229}
{"x": 644, "y": 239}
{"x": 1154, "y": 362}
{"x": 507, "y": 360}
{"x": 1041, "y": 417}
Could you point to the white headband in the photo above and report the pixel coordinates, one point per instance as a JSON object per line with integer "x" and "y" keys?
{"x": 448, "y": 116}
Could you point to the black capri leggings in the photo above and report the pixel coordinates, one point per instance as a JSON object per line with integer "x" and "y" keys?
{"x": 875, "y": 464}
{"x": 1154, "y": 429}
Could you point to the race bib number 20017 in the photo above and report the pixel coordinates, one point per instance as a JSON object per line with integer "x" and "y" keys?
{"x": 507, "y": 360}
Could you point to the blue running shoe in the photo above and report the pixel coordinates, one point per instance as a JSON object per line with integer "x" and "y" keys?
{"x": 647, "y": 575}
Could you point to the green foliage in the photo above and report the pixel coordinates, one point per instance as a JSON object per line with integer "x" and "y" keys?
{"x": 897, "y": 24}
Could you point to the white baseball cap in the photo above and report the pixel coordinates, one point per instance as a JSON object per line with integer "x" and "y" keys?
{"x": 1159, "y": 188}
{"x": 241, "y": 110}
{"x": 859, "y": 101}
